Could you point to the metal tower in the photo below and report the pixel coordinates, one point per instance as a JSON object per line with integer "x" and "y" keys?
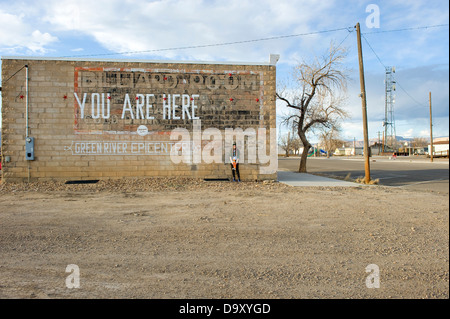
{"x": 389, "y": 119}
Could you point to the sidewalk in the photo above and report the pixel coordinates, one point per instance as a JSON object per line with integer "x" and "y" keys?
{"x": 304, "y": 179}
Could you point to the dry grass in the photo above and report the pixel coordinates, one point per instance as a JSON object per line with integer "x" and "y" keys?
{"x": 362, "y": 180}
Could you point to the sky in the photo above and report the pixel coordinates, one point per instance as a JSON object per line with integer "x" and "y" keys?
{"x": 413, "y": 36}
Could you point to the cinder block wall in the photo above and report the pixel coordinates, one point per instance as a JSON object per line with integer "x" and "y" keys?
{"x": 113, "y": 119}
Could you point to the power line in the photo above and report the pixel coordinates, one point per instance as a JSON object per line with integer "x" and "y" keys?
{"x": 412, "y": 98}
{"x": 349, "y": 29}
{"x": 408, "y": 29}
{"x": 348, "y": 34}
{"x": 220, "y": 44}
{"x": 378, "y": 58}
{"x": 396, "y": 81}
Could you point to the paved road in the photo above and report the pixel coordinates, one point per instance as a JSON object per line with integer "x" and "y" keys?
{"x": 412, "y": 174}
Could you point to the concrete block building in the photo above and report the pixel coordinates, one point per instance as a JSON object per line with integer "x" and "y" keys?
{"x": 85, "y": 119}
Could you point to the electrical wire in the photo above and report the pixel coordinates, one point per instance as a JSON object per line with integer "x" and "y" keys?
{"x": 349, "y": 29}
{"x": 408, "y": 29}
{"x": 376, "y": 55}
{"x": 410, "y": 96}
{"x": 3, "y": 82}
{"x": 217, "y": 44}
{"x": 396, "y": 81}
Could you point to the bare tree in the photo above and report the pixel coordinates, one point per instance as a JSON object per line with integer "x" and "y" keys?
{"x": 290, "y": 142}
{"x": 286, "y": 143}
{"x": 419, "y": 142}
{"x": 330, "y": 139}
{"x": 296, "y": 145}
{"x": 317, "y": 98}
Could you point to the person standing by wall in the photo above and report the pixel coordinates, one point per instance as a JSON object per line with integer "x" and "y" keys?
{"x": 234, "y": 160}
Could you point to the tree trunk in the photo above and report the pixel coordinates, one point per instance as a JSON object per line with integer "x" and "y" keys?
{"x": 306, "y": 147}
{"x": 302, "y": 167}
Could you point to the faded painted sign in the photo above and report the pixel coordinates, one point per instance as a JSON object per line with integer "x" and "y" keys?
{"x": 133, "y": 100}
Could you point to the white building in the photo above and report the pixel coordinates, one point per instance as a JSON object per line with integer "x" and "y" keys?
{"x": 440, "y": 148}
{"x": 348, "y": 151}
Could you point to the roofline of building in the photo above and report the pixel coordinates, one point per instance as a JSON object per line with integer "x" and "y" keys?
{"x": 439, "y": 143}
{"x": 273, "y": 60}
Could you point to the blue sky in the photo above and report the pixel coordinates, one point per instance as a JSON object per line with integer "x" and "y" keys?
{"x": 59, "y": 28}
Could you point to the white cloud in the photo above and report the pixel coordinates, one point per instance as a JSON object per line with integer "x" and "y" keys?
{"x": 39, "y": 40}
{"x": 128, "y": 26}
{"x": 19, "y": 35}
{"x": 409, "y": 133}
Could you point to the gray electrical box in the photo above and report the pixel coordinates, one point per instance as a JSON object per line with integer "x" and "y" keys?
{"x": 29, "y": 148}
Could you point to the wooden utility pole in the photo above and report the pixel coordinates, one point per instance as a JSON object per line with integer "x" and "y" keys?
{"x": 364, "y": 106}
{"x": 431, "y": 130}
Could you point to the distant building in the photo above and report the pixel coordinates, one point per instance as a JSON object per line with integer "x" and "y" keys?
{"x": 376, "y": 148}
{"x": 379, "y": 148}
{"x": 440, "y": 139}
{"x": 440, "y": 148}
{"x": 348, "y": 151}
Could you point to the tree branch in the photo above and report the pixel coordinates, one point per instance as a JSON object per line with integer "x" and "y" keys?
{"x": 288, "y": 103}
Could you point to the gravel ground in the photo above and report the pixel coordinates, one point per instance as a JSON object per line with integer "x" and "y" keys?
{"x": 184, "y": 238}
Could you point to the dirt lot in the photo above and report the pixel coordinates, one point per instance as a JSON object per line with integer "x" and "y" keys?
{"x": 194, "y": 239}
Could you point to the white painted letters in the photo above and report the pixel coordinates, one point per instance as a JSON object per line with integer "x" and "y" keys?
{"x": 95, "y": 99}
{"x": 108, "y": 105}
{"x": 166, "y": 107}
{"x": 149, "y": 106}
{"x": 174, "y": 106}
{"x": 140, "y": 101}
{"x": 81, "y": 105}
{"x": 127, "y": 107}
